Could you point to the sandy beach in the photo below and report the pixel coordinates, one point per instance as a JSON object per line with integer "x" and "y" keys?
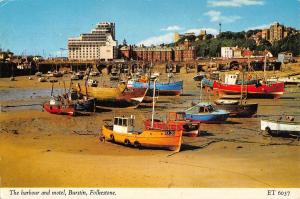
{"x": 38, "y": 149}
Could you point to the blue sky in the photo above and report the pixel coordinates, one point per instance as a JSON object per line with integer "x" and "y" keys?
{"x": 43, "y": 26}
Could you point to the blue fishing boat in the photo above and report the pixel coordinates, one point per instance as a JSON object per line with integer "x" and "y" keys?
{"x": 206, "y": 113}
{"x": 199, "y": 76}
{"x": 169, "y": 88}
{"x": 207, "y": 82}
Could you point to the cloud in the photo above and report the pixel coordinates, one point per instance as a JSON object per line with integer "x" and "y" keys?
{"x": 156, "y": 40}
{"x": 172, "y": 28}
{"x": 4, "y": 2}
{"x": 234, "y": 3}
{"x": 216, "y": 16}
{"x": 263, "y": 26}
{"x": 169, "y": 37}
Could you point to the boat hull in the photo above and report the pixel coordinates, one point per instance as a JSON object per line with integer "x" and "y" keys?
{"x": 85, "y": 105}
{"x": 117, "y": 97}
{"x": 276, "y": 127}
{"x": 168, "y": 89}
{"x": 190, "y": 129}
{"x": 149, "y": 138}
{"x": 60, "y": 110}
{"x": 204, "y": 112}
{"x": 207, "y": 118}
{"x": 252, "y": 91}
{"x": 239, "y": 110}
{"x": 103, "y": 93}
{"x": 207, "y": 82}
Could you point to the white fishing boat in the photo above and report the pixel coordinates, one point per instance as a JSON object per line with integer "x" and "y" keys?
{"x": 226, "y": 102}
{"x": 38, "y": 74}
{"x": 74, "y": 77}
{"x": 286, "y": 80}
{"x": 92, "y": 83}
{"x": 280, "y": 126}
{"x": 94, "y": 73}
{"x": 42, "y": 79}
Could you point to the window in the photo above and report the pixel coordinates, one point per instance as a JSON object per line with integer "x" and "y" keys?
{"x": 124, "y": 122}
{"x": 201, "y": 109}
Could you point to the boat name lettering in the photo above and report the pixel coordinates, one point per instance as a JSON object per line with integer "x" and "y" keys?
{"x": 169, "y": 132}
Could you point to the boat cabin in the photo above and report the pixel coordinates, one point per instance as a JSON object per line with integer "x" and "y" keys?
{"x": 55, "y": 101}
{"x": 206, "y": 109}
{"x": 176, "y": 116}
{"x": 124, "y": 124}
{"x": 231, "y": 79}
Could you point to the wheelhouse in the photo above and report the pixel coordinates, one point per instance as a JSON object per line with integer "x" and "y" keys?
{"x": 124, "y": 124}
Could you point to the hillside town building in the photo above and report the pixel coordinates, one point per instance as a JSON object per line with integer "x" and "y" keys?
{"x": 277, "y": 32}
{"x": 236, "y": 52}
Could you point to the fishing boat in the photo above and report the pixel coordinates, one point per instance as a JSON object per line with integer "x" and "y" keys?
{"x": 56, "y": 106}
{"x": 239, "y": 110}
{"x": 199, "y": 77}
{"x": 57, "y": 74}
{"x": 175, "y": 121}
{"x": 80, "y": 74}
{"x": 206, "y": 113}
{"x": 285, "y": 125}
{"x": 164, "y": 88}
{"x": 118, "y": 97}
{"x": 94, "y": 73}
{"x": 287, "y": 80}
{"x": 207, "y": 83}
{"x": 260, "y": 90}
{"x": 85, "y": 105}
{"x": 74, "y": 77}
{"x": 42, "y": 79}
{"x": 38, "y": 74}
{"x": 92, "y": 83}
{"x": 123, "y": 131}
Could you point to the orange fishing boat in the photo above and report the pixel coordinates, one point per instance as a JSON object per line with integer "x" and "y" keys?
{"x": 123, "y": 131}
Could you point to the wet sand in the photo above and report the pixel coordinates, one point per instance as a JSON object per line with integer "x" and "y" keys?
{"x": 39, "y": 149}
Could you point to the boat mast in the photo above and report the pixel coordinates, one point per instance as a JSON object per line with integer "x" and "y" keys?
{"x": 201, "y": 84}
{"x": 52, "y": 89}
{"x": 153, "y": 102}
{"x": 86, "y": 82}
{"x": 242, "y": 86}
{"x": 265, "y": 65}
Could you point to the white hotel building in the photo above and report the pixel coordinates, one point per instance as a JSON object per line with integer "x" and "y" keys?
{"x": 100, "y": 44}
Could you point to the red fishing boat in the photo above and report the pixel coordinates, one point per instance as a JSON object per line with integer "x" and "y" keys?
{"x": 258, "y": 90}
{"x": 55, "y": 106}
{"x": 176, "y": 122}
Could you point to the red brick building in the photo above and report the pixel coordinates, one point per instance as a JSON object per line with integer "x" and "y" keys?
{"x": 184, "y": 52}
